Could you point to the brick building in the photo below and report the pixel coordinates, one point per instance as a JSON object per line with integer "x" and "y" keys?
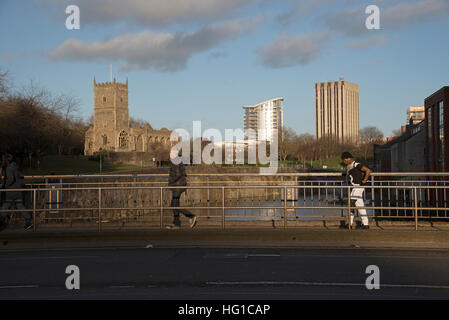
{"x": 437, "y": 128}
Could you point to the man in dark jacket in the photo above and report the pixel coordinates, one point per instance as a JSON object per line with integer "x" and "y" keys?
{"x": 178, "y": 178}
{"x": 14, "y": 180}
{"x": 3, "y": 182}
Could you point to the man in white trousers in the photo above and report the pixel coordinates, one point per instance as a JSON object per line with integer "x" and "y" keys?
{"x": 357, "y": 175}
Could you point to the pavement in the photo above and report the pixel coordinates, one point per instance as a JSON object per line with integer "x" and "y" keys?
{"x": 250, "y": 237}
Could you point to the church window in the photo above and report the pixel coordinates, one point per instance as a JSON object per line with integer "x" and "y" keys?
{"x": 123, "y": 140}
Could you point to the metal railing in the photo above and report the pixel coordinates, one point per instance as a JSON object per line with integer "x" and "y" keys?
{"x": 388, "y": 197}
{"x": 283, "y": 204}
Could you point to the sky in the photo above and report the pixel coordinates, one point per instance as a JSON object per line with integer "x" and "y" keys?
{"x": 203, "y": 60}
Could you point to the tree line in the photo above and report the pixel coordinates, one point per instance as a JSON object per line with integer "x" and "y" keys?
{"x": 35, "y": 122}
{"x": 306, "y": 147}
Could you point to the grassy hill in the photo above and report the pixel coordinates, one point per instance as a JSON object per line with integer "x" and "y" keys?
{"x": 73, "y": 165}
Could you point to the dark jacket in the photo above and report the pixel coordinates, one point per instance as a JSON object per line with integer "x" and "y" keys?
{"x": 177, "y": 177}
{"x": 2, "y": 183}
{"x": 14, "y": 180}
{"x": 3, "y": 177}
{"x": 355, "y": 175}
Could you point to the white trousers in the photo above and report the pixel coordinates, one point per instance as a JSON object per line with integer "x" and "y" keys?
{"x": 357, "y": 194}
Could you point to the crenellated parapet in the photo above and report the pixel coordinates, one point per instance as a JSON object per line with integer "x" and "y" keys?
{"x": 113, "y": 84}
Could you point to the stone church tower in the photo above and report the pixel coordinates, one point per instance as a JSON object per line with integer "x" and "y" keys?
{"x": 111, "y": 130}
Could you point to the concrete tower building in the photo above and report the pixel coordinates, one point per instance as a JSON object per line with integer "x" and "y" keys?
{"x": 337, "y": 111}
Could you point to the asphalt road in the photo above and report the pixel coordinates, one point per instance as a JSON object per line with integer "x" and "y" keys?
{"x": 235, "y": 273}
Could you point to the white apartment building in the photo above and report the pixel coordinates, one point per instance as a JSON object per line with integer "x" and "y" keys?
{"x": 265, "y": 119}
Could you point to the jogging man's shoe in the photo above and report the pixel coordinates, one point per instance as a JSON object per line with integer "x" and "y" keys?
{"x": 173, "y": 226}
{"x": 192, "y": 222}
{"x": 4, "y": 221}
{"x": 362, "y": 227}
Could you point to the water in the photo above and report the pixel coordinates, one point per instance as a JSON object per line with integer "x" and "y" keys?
{"x": 299, "y": 214}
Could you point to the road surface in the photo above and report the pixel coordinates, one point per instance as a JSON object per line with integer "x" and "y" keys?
{"x": 234, "y": 273}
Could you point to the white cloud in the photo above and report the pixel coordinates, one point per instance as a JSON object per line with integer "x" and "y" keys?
{"x": 303, "y": 8}
{"x": 154, "y": 13}
{"x": 407, "y": 13}
{"x": 289, "y": 51}
{"x": 351, "y": 21}
{"x": 367, "y": 43}
{"x": 164, "y": 52}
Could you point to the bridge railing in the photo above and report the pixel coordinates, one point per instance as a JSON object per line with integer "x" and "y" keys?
{"x": 386, "y": 197}
{"x": 285, "y": 205}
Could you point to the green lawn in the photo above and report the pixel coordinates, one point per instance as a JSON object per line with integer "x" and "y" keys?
{"x": 72, "y": 165}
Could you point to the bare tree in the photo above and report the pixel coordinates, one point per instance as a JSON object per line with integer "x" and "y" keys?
{"x": 137, "y": 122}
{"x": 286, "y": 142}
{"x": 33, "y": 121}
{"x": 371, "y": 134}
{"x": 90, "y": 121}
{"x": 3, "y": 84}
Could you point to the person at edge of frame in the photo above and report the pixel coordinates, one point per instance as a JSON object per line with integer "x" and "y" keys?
{"x": 357, "y": 175}
{"x": 13, "y": 180}
{"x": 178, "y": 178}
{"x": 2, "y": 181}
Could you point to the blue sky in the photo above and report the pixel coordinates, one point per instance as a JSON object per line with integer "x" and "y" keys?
{"x": 204, "y": 59}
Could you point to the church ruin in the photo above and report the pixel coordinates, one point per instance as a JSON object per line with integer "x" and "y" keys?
{"x": 111, "y": 130}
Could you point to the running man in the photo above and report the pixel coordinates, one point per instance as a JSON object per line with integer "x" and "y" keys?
{"x": 357, "y": 175}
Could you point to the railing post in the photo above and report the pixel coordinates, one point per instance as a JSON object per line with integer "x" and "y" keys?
{"x": 208, "y": 195}
{"x": 34, "y": 210}
{"x": 416, "y": 208}
{"x": 349, "y": 208}
{"x": 285, "y": 207}
{"x": 99, "y": 209}
{"x": 162, "y": 208}
{"x": 135, "y": 195}
{"x": 223, "y": 224}
{"x": 208, "y": 190}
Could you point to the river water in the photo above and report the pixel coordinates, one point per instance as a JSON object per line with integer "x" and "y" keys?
{"x": 255, "y": 213}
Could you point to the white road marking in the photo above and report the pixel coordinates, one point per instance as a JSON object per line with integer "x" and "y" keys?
{"x": 323, "y": 284}
{"x": 263, "y": 255}
{"x": 19, "y": 287}
{"x": 367, "y": 256}
{"x": 48, "y": 258}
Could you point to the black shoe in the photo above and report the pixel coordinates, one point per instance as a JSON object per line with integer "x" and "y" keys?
{"x": 4, "y": 221}
{"x": 28, "y": 226}
{"x": 362, "y": 227}
{"x": 344, "y": 226}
